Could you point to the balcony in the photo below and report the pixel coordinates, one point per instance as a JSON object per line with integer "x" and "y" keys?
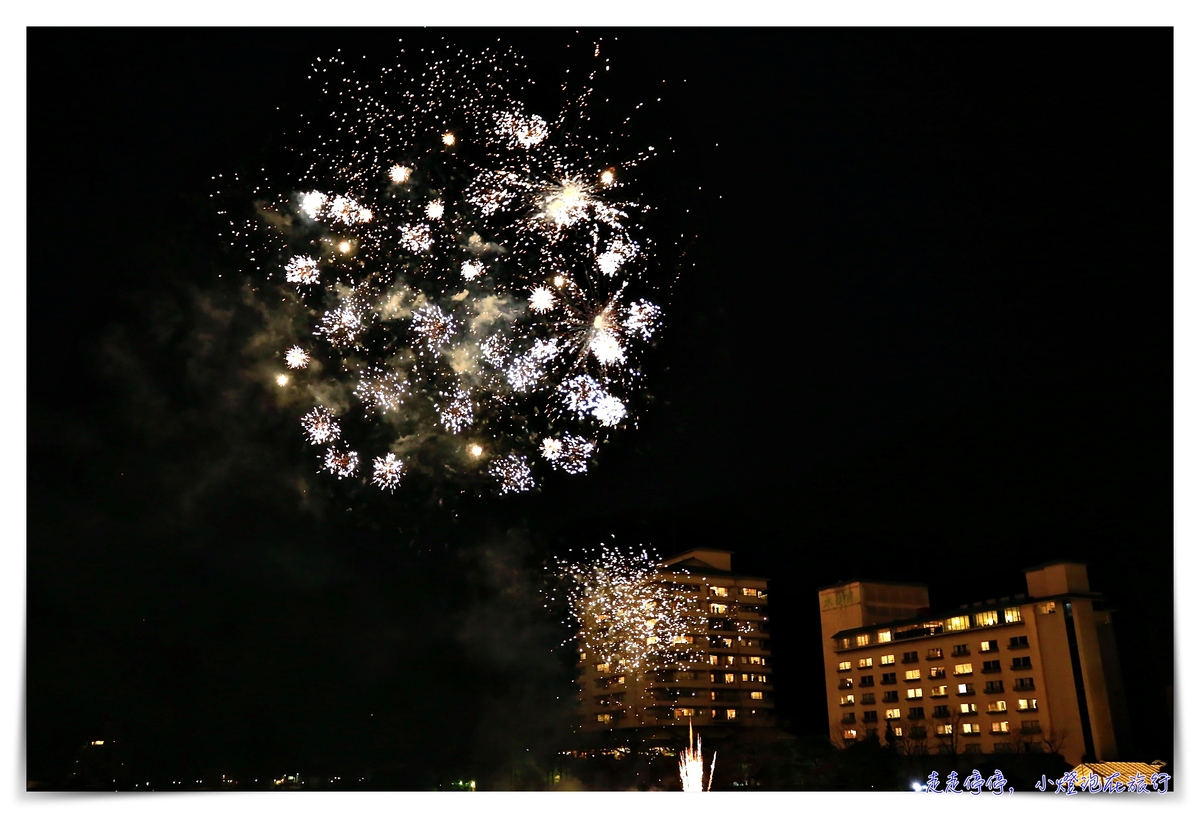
{"x": 937, "y": 674}
{"x": 1027, "y": 709}
{"x": 1023, "y": 686}
{"x": 987, "y": 669}
{"x": 969, "y": 692}
{"x": 938, "y": 695}
{"x": 998, "y": 732}
{"x": 847, "y": 704}
{"x": 1029, "y": 731}
{"x": 935, "y": 653}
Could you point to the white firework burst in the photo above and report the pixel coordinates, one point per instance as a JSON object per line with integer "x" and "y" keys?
{"x": 416, "y": 238}
{"x": 520, "y": 131}
{"x": 433, "y": 326}
{"x": 641, "y": 319}
{"x": 296, "y": 358}
{"x": 455, "y": 410}
{"x": 399, "y": 174}
{"x": 609, "y": 410}
{"x": 321, "y": 426}
{"x": 302, "y": 270}
{"x": 541, "y": 299}
{"x": 471, "y": 270}
{"x": 570, "y": 453}
{"x": 512, "y": 472}
{"x": 435, "y": 209}
{"x": 388, "y": 471}
{"x": 341, "y": 463}
{"x": 607, "y": 348}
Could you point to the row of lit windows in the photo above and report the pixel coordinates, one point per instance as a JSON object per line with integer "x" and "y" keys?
{"x": 717, "y": 590}
{"x": 984, "y": 619}
{"x": 939, "y": 671}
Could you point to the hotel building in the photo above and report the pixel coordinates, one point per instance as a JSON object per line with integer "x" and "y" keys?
{"x": 727, "y": 684}
{"x": 1030, "y": 673}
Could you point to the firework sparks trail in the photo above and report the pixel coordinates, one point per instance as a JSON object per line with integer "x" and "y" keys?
{"x": 469, "y": 271}
{"x": 691, "y": 765}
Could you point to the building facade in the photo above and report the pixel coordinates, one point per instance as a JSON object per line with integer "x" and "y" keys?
{"x": 1035, "y": 672}
{"x": 727, "y": 681}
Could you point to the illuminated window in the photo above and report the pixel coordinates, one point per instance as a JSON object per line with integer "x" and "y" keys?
{"x": 933, "y": 653}
{"x": 849, "y": 734}
{"x": 892, "y": 713}
{"x": 958, "y": 623}
{"x": 1047, "y": 608}
{"x": 938, "y": 692}
{"x": 885, "y": 636}
{"x": 912, "y": 675}
{"x": 714, "y": 659}
{"x": 650, "y": 640}
{"x": 843, "y": 666}
{"x": 968, "y": 708}
{"x": 756, "y": 694}
{"x": 1026, "y": 705}
{"x": 998, "y": 707}
{"x": 582, "y": 655}
{"x": 754, "y": 660}
{"x": 963, "y": 669}
{"x": 914, "y": 693}
{"x": 844, "y": 642}
{"x": 945, "y": 729}
{"x": 845, "y": 684}
{"x": 966, "y": 689}
{"x": 603, "y": 667}
{"x": 898, "y": 732}
{"x": 999, "y": 727}
{"x": 986, "y": 618}
{"x": 97, "y": 743}
{"x": 684, "y": 712}
{"x": 984, "y": 647}
{"x": 862, "y": 639}
{"x": 937, "y": 673}
{"x": 970, "y": 728}
{"x": 847, "y": 699}
{"x": 604, "y": 718}
{"x": 720, "y": 608}
{"x": 731, "y": 714}
{"x": 888, "y": 659}
{"x": 864, "y": 662}
{"x": 1012, "y": 614}
{"x": 750, "y": 592}
{"x": 729, "y": 678}
{"x": 714, "y": 590}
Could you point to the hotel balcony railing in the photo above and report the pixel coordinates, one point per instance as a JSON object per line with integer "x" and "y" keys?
{"x": 970, "y": 692}
{"x": 933, "y": 654}
{"x": 987, "y": 669}
{"x": 937, "y": 674}
{"x": 961, "y": 652}
{"x": 994, "y": 688}
{"x": 1027, "y": 709}
{"x": 1025, "y": 686}
{"x": 992, "y": 712}
{"x": 908, "y": 660}
{"x": 846, "y": 704}
{"x": 1018, "y": 646}
{"x": 938, "y": 695}
{"x": 1031, "y": 730}
{"x": 998, "y": 732}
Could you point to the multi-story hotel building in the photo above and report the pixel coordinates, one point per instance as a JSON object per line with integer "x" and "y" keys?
{"x": 1033, "y": 672}
{"x": 727, "y": 682}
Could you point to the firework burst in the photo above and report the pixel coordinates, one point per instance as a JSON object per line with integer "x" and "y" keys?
{"x": 627, "y": 614}
{"x": 466, "y": 269}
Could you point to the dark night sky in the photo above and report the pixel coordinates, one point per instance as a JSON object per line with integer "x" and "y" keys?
{"x": 923, "y": 332}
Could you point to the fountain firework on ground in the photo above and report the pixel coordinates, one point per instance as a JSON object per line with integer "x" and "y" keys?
{"x": 465, "y": 275}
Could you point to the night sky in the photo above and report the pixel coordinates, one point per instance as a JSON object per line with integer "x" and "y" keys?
{"x": 920, "y": 329}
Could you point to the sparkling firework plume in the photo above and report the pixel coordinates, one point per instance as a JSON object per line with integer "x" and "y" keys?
{"x": 691, "y": 765}
{"x": 470, "y": 272}
{"x": 627, "y": 614}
